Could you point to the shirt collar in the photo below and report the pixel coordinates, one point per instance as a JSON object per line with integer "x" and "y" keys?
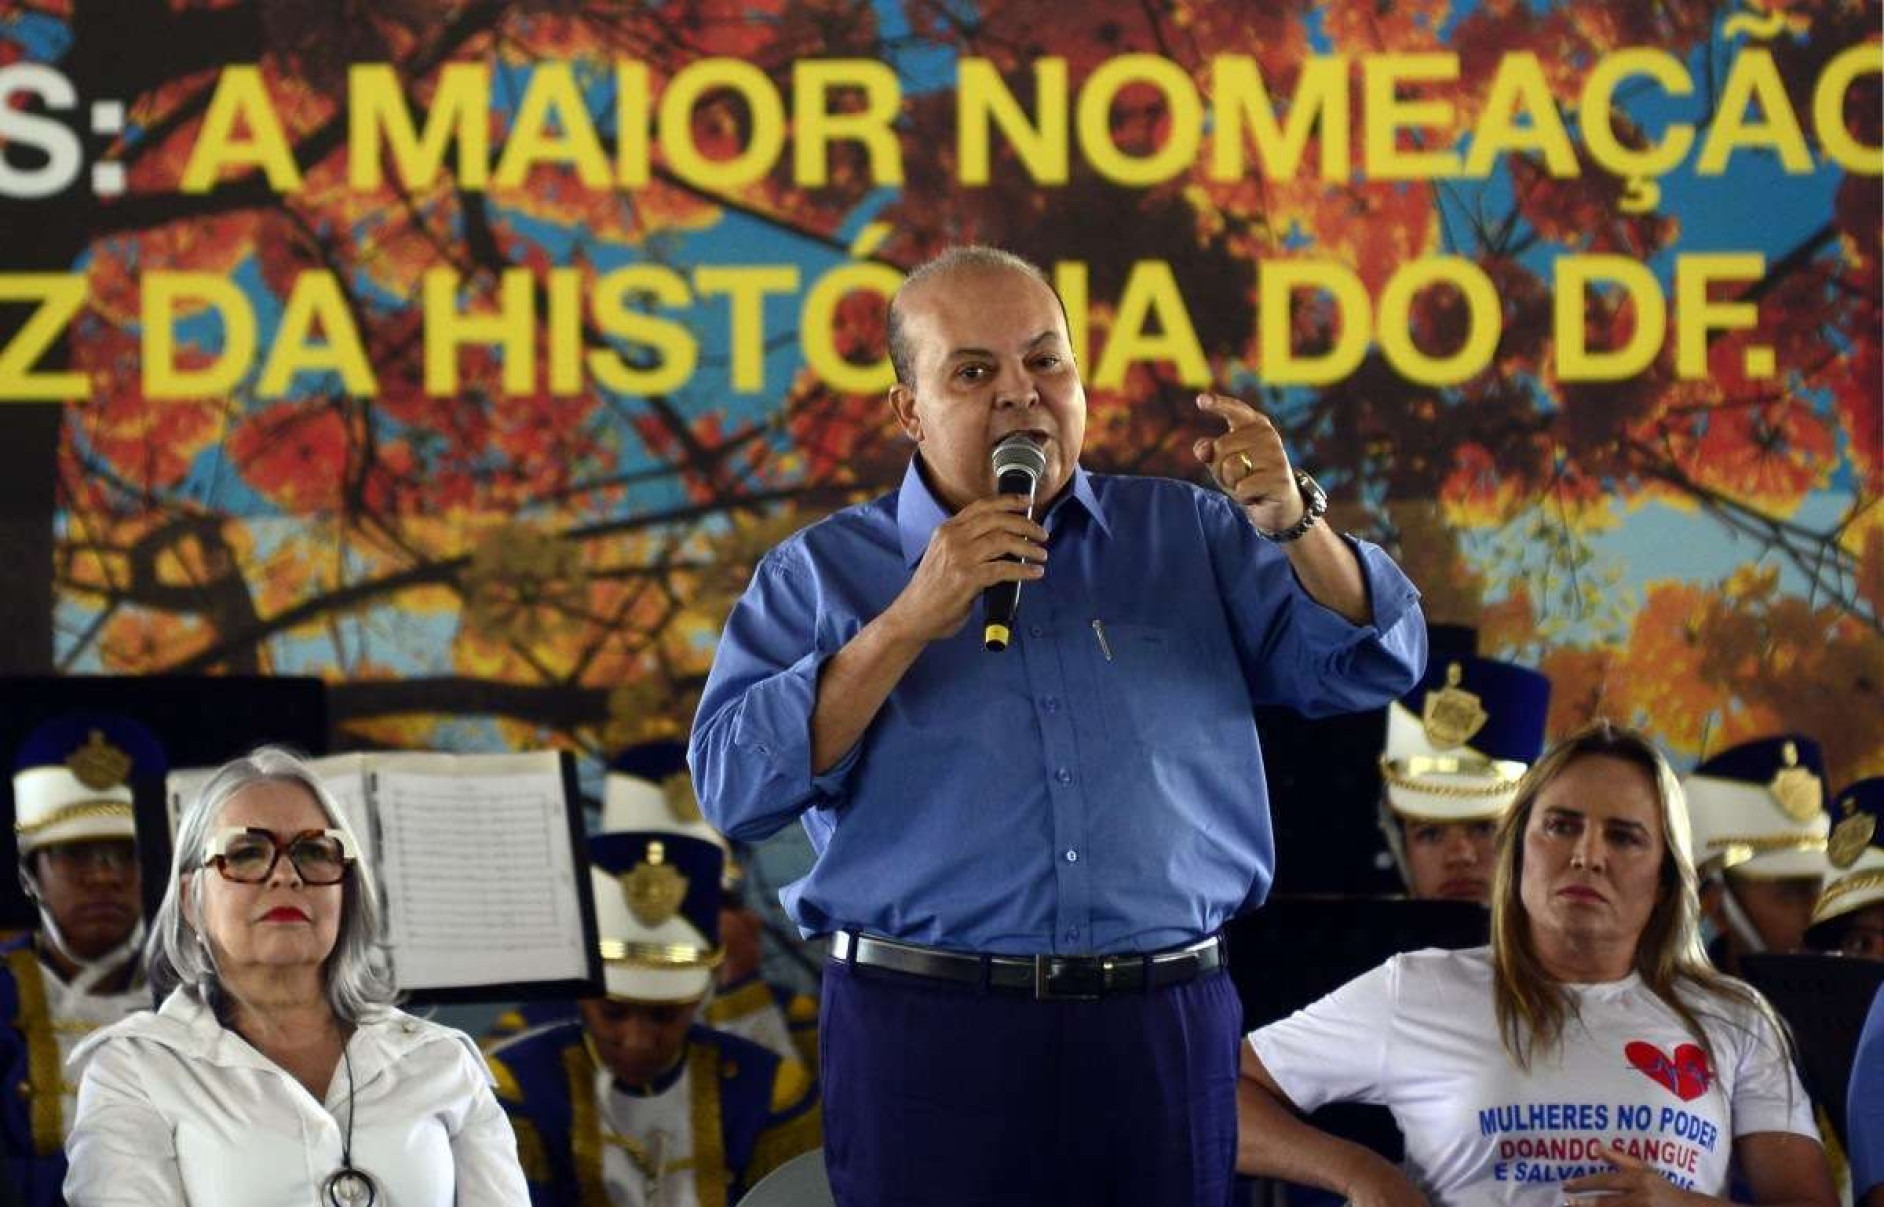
{"x": 186, "y": 1023}
{"x": 919, "y": 513}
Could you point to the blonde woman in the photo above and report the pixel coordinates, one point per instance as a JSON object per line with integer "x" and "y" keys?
{"x": 1590, "y": 1050}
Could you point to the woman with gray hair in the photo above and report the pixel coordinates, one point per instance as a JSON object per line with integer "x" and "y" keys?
{"x": 1590, "y": 1051}
{"x": 277, "y": 1071}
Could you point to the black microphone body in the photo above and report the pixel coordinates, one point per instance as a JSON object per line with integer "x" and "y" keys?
{"x": 1018, "y": 464}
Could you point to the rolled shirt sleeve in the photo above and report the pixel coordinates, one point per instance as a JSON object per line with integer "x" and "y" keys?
{"x": 1298, "y": 652}
{"x": 751, "y": 744}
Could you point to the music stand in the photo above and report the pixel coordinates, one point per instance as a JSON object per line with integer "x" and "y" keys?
{"x": 1324, "y": 799}
{"x": 1296, "y": 950}
{"x": 1824, "y": 999}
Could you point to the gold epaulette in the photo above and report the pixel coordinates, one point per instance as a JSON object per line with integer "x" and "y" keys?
{"x": 749, "y": 998}
{"x": 790, "y": 1084}
{"x": 508, "y": 1087}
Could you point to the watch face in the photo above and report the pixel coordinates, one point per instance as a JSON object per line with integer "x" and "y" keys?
{"x": 1313, "y": 496}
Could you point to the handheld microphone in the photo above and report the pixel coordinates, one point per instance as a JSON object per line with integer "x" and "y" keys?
{"x": 1018, "y": 464}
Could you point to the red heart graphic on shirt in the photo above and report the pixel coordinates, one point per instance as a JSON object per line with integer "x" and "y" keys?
{"x": 1685, "y": 1073}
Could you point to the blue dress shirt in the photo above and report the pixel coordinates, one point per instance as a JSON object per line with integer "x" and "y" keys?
{"x": 1864, "y": 1105}
{"x": 1097, "y": 787}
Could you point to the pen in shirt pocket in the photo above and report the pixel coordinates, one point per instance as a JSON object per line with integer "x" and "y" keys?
{"x": 1099, "y": 631}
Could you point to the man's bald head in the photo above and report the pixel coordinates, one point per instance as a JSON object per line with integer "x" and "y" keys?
{"x": 971, "y": 257}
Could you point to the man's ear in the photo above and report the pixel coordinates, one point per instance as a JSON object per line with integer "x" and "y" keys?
{"x": 903, "y": 403}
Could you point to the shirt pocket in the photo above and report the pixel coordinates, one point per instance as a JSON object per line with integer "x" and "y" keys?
{"x": 1152, "y": 680}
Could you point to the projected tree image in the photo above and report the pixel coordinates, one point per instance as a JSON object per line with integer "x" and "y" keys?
{"x": 534, "y": 536}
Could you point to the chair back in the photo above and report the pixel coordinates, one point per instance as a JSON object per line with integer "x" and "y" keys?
{"x": 800, "y": 1182}
{"x": 1823, "y": 999}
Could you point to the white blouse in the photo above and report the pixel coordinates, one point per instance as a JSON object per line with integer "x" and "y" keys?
{"x": 175, "y": 1110}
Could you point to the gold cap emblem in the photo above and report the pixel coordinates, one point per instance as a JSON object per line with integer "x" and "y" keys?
{"x": 1798, "y": 791}
{"x": 1452, "y": 715}
{"x": 98, "y": 764}
{"x": 654, "y": 889}
{"x": 681, "y": 801}
{"x": 1851, "y": 836}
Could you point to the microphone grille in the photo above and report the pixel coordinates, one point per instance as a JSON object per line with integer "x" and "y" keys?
{"x": 1019, "y": 452}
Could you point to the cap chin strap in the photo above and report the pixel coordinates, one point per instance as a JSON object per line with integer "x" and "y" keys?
{"x": 90, "y": 972}
{"x": 1396, "y": 840}
{"x": 1738, "y": 924}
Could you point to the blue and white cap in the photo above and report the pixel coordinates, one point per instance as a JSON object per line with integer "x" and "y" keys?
{"x": 648, "y": 787}
{"x": 1458, "y": 743}
{"x": 1855, "y": 852}
{"x": 1759, "y": 808}
{"x": 657, "y": 913}
{"x": 73, "y": 775}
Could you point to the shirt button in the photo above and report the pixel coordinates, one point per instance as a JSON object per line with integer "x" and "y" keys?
{"x": 1036, "y": 631}
{"x": 1072, "y": 856}
{"x": 1072, "y": 934}
{"x": 1063, "y": 775}
{"x": 1051, "y": 704}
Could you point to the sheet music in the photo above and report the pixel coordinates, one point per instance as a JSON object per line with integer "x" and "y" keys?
{"x": 180, "y": 789}
{"x": 479, "y": 870}
{"x": 344, "y": 776}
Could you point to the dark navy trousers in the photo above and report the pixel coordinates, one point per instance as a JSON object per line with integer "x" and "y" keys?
{"x": 943, "y": 1095}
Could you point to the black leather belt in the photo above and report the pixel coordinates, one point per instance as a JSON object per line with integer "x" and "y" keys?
{"x": 1045, "y": 978}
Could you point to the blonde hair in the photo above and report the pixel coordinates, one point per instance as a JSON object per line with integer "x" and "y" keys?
{"x": 1532, "y": 1006}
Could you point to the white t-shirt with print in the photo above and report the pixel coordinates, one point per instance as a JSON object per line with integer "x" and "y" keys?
{"x": 1418, "y": 1035}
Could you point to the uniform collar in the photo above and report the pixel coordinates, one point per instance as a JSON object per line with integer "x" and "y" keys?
{"x": 129, "y": 971}
{"x": 653, "y": 1089}
{"x": 919, "y": 513}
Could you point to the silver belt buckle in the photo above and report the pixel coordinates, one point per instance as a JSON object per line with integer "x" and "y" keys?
{"x": 1064, "y": 979}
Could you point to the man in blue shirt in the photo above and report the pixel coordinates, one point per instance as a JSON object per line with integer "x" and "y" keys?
{"x": 1864, "y": 1110}
{"x": 1024, "y": 857}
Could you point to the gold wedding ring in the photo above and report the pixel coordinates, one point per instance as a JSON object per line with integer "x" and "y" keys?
{"x": 1249, "y": 467}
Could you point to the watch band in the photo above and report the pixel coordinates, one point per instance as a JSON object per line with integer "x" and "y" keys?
{"x": 1314, "y": 506}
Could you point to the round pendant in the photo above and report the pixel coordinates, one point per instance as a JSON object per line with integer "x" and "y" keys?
{"x": 350, "y": 1188}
